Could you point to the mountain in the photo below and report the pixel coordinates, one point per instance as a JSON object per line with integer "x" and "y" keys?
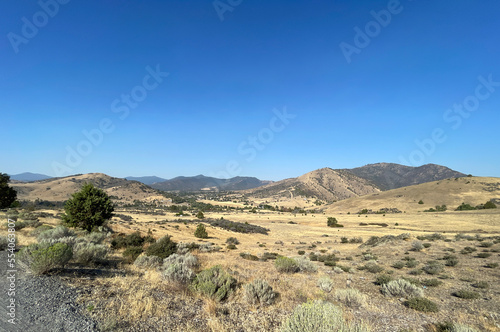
{"x": 324, "y": 184}
{"x": 201, "y": 182}
{"x": 450, "y": 192}
{"x": 391, "y": 176}
{"x": 60, "y": 189}
{"x": 29, "y": 177}
{"x": 146, "y": 179}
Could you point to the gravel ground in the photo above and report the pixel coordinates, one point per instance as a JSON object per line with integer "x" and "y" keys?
{"x": 42, "y": 304}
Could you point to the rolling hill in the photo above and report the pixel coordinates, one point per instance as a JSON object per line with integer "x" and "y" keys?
{"x": 449, "y": 192}
{"x": 201, "y": 182}
{"x": 60, "y": 189}
{"x": 388, "y": 176}
{"x": 146, "y": 179}
{"x": 29, "y": 177}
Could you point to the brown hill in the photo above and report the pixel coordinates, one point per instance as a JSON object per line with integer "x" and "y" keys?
{"x": 449, "y": 192}
{"x": 324, "y": 184}
{"x": 60, "y": 189}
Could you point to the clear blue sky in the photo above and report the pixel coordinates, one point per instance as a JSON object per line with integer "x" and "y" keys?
{"x": 350, "y": 98}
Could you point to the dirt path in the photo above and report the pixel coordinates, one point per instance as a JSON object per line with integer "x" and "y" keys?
{"x": 42, "y": 304}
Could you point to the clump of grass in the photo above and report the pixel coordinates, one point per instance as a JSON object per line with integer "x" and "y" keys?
{"x": 401, "y": 288}
{"x": 466, "y": 294}
{"x": 259, "y": 292}
{"x": 481, "y": 285}
{"x": 421, "y": 304}
{"x": 350, "y": 297}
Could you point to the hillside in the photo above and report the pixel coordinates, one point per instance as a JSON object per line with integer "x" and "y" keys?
{"x": 29, "y": 177}
{"x": 391, "y": 176}
{"x": 148, "y": 180}
{"x": 324, "y": 184}
{"x": 60, "y": 189}
{"x": 450, "y": 192}
{"x": 201, "y": 182}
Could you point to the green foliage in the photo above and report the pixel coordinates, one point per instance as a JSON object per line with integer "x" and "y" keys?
{"x": 88, "y": 208}
{"x": 232, "y": 240}
{"x": 131, "y": 253}
{"x": 178, "y": 272}
{"x": 149, "y": 262}
{"x": 259, "y": 292}
{"x": 286, "y": 265}
{"x": 401, "y": 288}
{"x": 132, "y": 240}
{"x": 214, "y": 283}
{"x": 201, "y": 232}
{"x": 7, "y": 194}
{"x": 162, "y": 248}
{"x": 420, "y": 202}
{"x": 421, "y": 304}
{"x": 88, "y": 252}
{"x": 466, "y": 294}
{"x": 438, "y": 208}
{"x": 237, "y": 226}
{"x": 305, "y": 265}
{"x": 319, "y": 316}
{"x": 301, "y": 252}
{"x": 43, "y": 257}
{"x": 483, "y": 255}
{"x": 465, "y": 207}
{"x": 383, "y": 279}
{"x": 231, "y": 247}
{"x": 248, "y": 256}
{"x": 200, "y": 215}
{"x": 450, "y": 260}
{"x": 489, "y": 205}
{"x": 433, "y": 267}
{"x": 332, "y": 222}
{"x": 399, "y": 265}
{"x": 431, "y": 282}
{"x": 55, "y": 234}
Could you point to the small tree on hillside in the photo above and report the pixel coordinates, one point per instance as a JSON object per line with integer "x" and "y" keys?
{"x": 88, "y": 208}
{"x": 489, "y": 205}
{"x": 332, "y": 222}
{"x": 7, "y": 194}
{"x": 200, "y": 215}
{"x": 201, "y": 232}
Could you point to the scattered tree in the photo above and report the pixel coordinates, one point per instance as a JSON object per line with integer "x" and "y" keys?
{"x": 90, "y": 207}
{"x": 332, "y": 222}
{"x": 201, "y": 232}
{"x": 200, "y": 215}
{"x": 7, "y": 194}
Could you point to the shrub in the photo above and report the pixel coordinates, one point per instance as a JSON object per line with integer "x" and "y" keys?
{"x": 200, "y": 215}
{"x": 88, "y": 208}
{"x": 411, "y": 263}
{"x": 201, "y": 232}
{"x": 373, "y": 267}
{"x": 231, "y": 247}
{"x": 325, "y": 284}
{"x": 450, "y": 260}
{"x": 486, "y": 244}
{"x": 483, "y": 255}
{"x": 462, "y": 328}
{"x": 87, "y": 252}
{"x": 383, "y": 279}
{"x": 489, "y": 205}
{"x": 286, "y": 265}
{"x": 399, "y": 265}
{"x": 301, "y": 252}
{"x": 315, "y": 316}
{"x": 131, "y": 253}
{"x": 431, "y": 282}
{"x": 481, "y": 285}
{"x": 54, "y": 234}
{"x": 350, "y": 297}
{"x": 305, "y": 265}
{"x": 332, "y": 222}
{"x": 237, "y": 226}
{"x": 123, "y": 241}
{"x": 259, "y": 292}
{"x": 401, "y": 288}
{"x": 426, "y": 245}
{"x": 214, "y": 283}
{"x": 149, "y": 262}
{"x": 232, "y": 240}
{"x": 248, "y": 256}
{"x": 417, "y": 246}
{"x": 491, "y": 265}
{"x": 162, "y": 248}
{"x": 179, "y": 273}
{"x": 433, "y": 267}
{"x": 269, "y": 255}
{"x": 344, "y": 239}
{"x": 95, "y": 237}
{"x": 466, "y": 294}
{"x": 41, "y": 258}
{"x": 188, "y": 260}
{"x": 40, "y": 229}
{"x": 421, "y": 304}
{"x": 467, "y": 250}
{"x": 356, "y": 240}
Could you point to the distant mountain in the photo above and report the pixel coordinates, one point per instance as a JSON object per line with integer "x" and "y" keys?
{"x": 29, "y": 177}
{"x": 120, "y": 190}
{"x": 325, "y": 184}
{"x": 146, "y": 179}
{"x": 201, "y": 182}
{"x": 388, "y": 176}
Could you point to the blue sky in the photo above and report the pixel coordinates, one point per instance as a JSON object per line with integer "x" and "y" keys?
{"x": 269, "y": 89}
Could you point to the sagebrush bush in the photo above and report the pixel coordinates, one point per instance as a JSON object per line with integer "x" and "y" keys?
{"x": 305, "y": 265}
{"x": 319, "y": 316}
{"x": 88, "y": 252}
{"x": 148, "y": 262}
{"x": 456, "y": 327}
{"x": 41, "y": 258}
{"x": 286, "y": 265}
{"x": 466, "y": 294}
{"x": 259, "y": 292}
{"x": 325, "y": 284}
{"x": 417, "y": 246}
{"x": 162, "y": 248}
{"x": 214, "y": 283}
{"x": 398, "y": 265}
{"x": 401, "y": 288}
{"x": 131, "y": 253}
{"x": 481, "y": 284}
{"x": 179, "y": 273}
{"x": 232, "y": 240}
{"x": 95, "y": 237}
{"x": 383, "y": 279}
{"x": 373, "y": 267}
{"x": 40, "y": 229}
{"x": 433, "y": 267}
{"x": 421, "y": 304}
{"x": 248, "y": 256}
{"x": 350, "y": 297}
{"x": 131, "y": 240}
{"x": 54, "y": 234}
{"x": 188, "y": 260}
{"x": 431, "y": 282}
{"x": 208, "y": 247}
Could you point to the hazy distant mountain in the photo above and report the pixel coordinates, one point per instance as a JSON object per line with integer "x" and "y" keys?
{"x": 201, "y": 182}
{"x": 391, "y": 176}
{"x": 146, "y": 179}
{"x": 29, "y": 177}
{"x": 325, "y": 184}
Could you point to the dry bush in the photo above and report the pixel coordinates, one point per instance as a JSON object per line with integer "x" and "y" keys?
{"x": 350, "y": 297}
{"x": 325, "y": 284}
{"x": 401, "y": 288}
{"x": 259, "y": 292}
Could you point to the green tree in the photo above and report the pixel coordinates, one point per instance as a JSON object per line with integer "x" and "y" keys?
{"x": 489, "y": 205}
{"x": 200, "y": 215}
{"x": 7, "y": 194}
{"x": 333, "y": 222}
{"x": 88, "y": 208}
{"x": 201, "y": 232}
